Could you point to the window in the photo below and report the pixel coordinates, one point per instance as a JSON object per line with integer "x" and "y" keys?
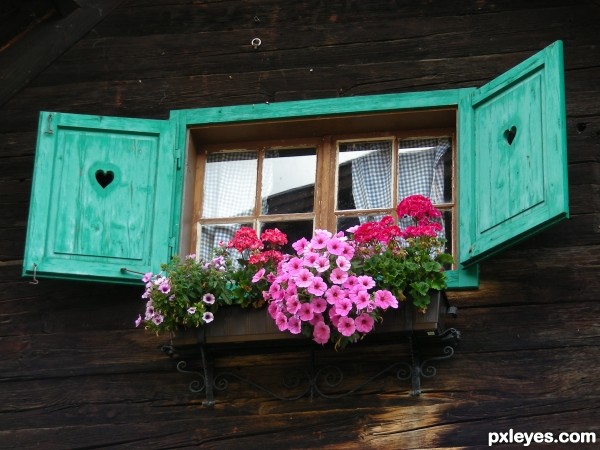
{"x": 321, "y": 180}
{"x": 493, "y": 158}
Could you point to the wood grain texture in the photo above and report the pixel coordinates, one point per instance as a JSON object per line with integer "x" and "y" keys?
{"x": 76, "y": 374}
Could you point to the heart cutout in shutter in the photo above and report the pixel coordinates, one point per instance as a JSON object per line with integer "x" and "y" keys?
{"x": 510, "y": 134}
{"x": 104, "y": 177}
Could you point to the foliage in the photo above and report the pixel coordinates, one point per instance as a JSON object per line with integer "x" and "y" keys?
{"x": 188, "y": 292}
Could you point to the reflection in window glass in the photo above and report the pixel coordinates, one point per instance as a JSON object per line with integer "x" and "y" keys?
{"x": 364, "y": 175}
{"x": 229, "y": 184}
{"x": 288, "y": 181}
{"x": 210, "y": 237}
{"x": 293, "y": 229}
{"x": 421, "y": 169}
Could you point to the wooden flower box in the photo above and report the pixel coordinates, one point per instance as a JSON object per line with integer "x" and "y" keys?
{"x": 236, "y": 325}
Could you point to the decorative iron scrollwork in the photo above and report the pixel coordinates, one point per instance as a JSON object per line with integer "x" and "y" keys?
{"x": 322, "y": 381}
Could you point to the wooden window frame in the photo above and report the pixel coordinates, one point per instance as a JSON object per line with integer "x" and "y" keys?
{"x": 325, "y": 214}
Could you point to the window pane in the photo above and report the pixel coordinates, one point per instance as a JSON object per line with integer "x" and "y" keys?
{"x": 364, "y": 175}
{"x": 229, "y": 184}
{"x": 211, "y": 235}
{"x": 288, "y": 181}
{"x": 293, "y": 229}
{"x": 425, "y": 168}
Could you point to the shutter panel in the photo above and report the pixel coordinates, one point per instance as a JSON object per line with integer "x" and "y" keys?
{"x": 513, "y": 162}
{"x": 102, "y": 198}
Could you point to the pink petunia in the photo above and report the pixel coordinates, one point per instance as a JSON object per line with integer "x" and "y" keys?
{"x": 348, "y": 251}
{"x": 350, "y": 282}
{"x": 208, "y": 317}
{"x": 317, "y": 317}
{"x": 335, "y": 246}
{"x": 361, "y": 299}
{"x": 338, "y": 276}
{"x": 281, "y": 321}
{"x": 320, "y": 239}
{"x": 364, "y": 323}
{"x": 317, "y": 286}
{"x": 366, "y": 281}
{"x": 303, "y": 278}
{"x": 343, "y": 307}
{"x": 321, "y": 333}
{"x": 276, "y": 292}
{"x": 306, "y": 312}
{"x": 165, "y": 287}
{"x": 310, "y": 259}
{"x": 292, "y": 304}
{"x": 258, "y": 275}
{"x": 158, "y": 319}
{"x": 273, "y": 309}
{"x": 334, "y": 293}
{"x": 319, "y": 304}
{"x": 300, "y": 245}
{"x": 147, "y": 277}
{"x": 138, "y": 321}
{"x": 343, "y": 263}
{"x": 334, "y": 318}
{"x": 321, "y": 264}
{"x": 384, "y": 299}
{"x": 294, "y": 265}
{"x": 346, "y": 326}
{"x": 294, "y": 325}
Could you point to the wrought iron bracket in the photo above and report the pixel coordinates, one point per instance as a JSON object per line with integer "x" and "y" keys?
{"x": 314, "y": 379}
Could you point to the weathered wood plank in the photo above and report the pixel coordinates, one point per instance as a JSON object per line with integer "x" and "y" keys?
{"x": 77, "y": 374}
{"x": 21, "y": 62}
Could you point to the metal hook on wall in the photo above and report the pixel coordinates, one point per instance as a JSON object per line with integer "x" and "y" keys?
{"x": 256, "y": 43}
{"x": 35, "y": 280}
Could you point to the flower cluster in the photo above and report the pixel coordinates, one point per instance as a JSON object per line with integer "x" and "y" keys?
{"x": 337, "y": 286}
{"x": 188, "y": 292}
{"x": 316, "y": 292}
{"x": 406, "y": 259}
{"x": 425, "y": 217}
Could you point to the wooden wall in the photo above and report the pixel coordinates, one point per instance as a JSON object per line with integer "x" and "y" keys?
{"x": 75, "y": 373}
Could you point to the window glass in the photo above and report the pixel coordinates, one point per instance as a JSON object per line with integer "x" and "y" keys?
{"x": 364, "y": 175}
{"x": 229, "y": 184}
{"x": 422, "y": 168}
{"x": 294, "y": 230}
{"x": 288, "y": 181}
{"x": 211, "y": 236}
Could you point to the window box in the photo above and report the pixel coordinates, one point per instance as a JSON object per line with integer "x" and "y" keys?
{"x": 236, "y": 325}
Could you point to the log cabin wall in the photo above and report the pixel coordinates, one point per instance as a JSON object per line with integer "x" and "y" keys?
{"x": 74, "y": 371}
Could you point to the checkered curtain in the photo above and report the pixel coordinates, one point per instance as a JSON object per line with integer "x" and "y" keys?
{"x": 230, "y": 188}
{"x": 420, "y": 171}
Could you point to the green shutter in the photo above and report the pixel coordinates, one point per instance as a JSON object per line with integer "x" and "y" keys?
{"x": 512, "y": 156}
{"x": 103, "y": 198}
